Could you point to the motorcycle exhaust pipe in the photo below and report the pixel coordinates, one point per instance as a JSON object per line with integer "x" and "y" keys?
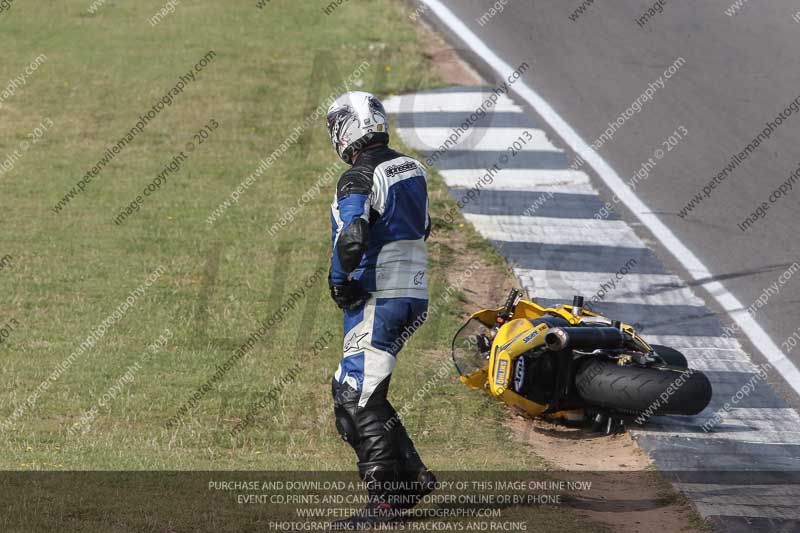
{"x": 583, "y": 338}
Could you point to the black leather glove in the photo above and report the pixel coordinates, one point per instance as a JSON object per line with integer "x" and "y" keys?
{"x": 349, "y": 295}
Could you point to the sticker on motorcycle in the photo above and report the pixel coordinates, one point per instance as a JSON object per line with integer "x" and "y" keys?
{"x": 533, "y": 335}
{"x": 502, "y": 372}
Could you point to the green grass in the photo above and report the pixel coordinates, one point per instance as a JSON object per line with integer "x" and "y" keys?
{"x": 71, "y": 270}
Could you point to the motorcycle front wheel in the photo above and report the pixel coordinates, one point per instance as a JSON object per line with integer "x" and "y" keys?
{"x": 652, "y": 390}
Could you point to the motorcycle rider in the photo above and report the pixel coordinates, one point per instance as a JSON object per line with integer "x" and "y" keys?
{"x": 380, "y": 222}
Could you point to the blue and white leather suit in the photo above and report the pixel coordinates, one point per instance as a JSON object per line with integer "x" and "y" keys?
{"x": 380, "y": 221}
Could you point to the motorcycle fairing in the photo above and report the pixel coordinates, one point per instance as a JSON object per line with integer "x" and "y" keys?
{"x": 514, "y": 339}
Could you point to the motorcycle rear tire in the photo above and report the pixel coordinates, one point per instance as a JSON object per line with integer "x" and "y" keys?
{"x": 654, "y": 390}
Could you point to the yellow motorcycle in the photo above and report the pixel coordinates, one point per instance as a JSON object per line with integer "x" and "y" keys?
{"x": 569, "y": 363}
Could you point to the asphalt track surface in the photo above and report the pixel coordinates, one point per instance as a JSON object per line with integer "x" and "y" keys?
{"x": 739, "y": 73}
{"x": 590, "y": 71}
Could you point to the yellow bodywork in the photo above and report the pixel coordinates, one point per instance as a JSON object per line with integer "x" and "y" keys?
{"x": 513, "y": 339}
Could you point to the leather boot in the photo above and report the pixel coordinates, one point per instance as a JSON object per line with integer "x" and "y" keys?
{"x": 380, "y": 479}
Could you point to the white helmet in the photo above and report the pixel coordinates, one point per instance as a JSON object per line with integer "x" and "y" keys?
{"x": 355, "y": 120}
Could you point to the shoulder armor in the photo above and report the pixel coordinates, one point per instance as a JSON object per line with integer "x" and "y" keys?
{"x": 354, "y": 181}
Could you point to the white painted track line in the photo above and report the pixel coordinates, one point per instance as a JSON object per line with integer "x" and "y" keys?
{"x": 693, "y": 265}
{"x": 466, "y": 102}
{"x": 557, "y": 231}
{"x": 717, "y": 354}
{"x": 633, "y": 288}
{"x": 522, "y": 180}
{"x": 767, "y": 425}
{"x": 721, "y": 346}
{"x": 711, "y": 364}
{"x": 490, "y": 139}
